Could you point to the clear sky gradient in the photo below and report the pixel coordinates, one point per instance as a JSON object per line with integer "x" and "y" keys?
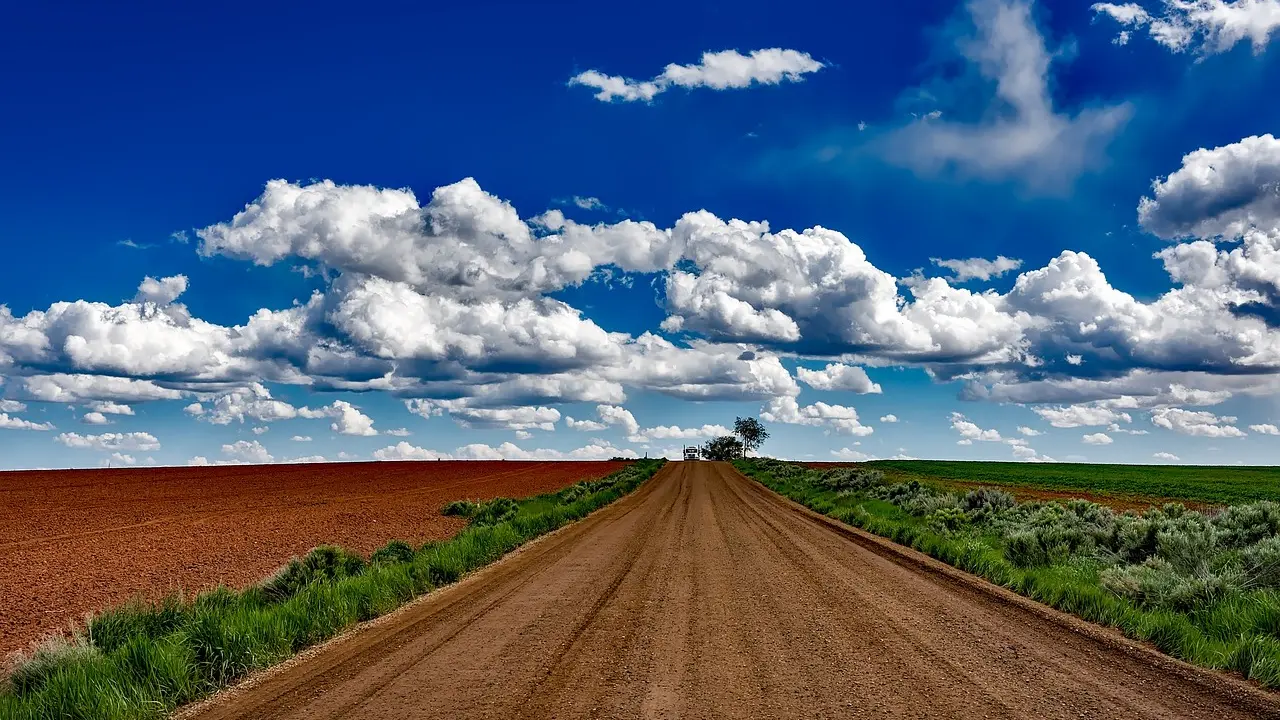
{"x": 988, "y": 230}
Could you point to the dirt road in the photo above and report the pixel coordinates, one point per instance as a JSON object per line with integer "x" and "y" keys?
{"x": 703, "y": 595}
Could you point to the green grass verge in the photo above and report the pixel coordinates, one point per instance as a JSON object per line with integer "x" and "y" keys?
{"x": 145, "y": 659}
{"x": 1203, "y": 587}
{"x": 1205, "y": 484}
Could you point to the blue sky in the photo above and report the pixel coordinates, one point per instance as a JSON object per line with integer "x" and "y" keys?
{"x": 992, "y": 230}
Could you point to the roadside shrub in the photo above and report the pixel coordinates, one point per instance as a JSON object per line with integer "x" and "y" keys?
{"x": 460, "y": 508}
{"x": 985, "y": 502}
{"x": 495, "y": 511}
{"x": 1190, "y": 550}
{"x": 1261, "y": 563}
{"x": 947, "y": 519}
{"x": 928, "y": 503}
{"x": 326, "y": 562}
{"x": 572, "y": 493}
{"x": 1242, "y": 525}
{"x": 1133, "y": 537}
{"x": 1040, "y": 546}
{"x": 900, "y": 493}
{"x": 847, "y": 478}
{"x": 396, "y": 551}
{"x": 1157, "y": 583}
{"x": 1092, "y": 513}
{"x": 786, "y": 470}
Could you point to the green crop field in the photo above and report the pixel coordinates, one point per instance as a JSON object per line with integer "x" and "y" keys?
{"x": 1206, "y": 484}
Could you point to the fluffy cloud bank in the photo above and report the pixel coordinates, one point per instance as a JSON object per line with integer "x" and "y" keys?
{"x": 969, "y": 431}
{"x": 8, "y": 422}
{"x": 139, "y": 441}
{"x": 839, "y": 418}
{"x": 717, "y": 70}
{"x": 1223, "y": 191}
{"x": 838, "y": 377}
{"x": 978, "y": 268}
{"x": 449, "y": 305}
{"x": 1196, "y": 422}
{"x": 448, "y": 302}
{"x": 506, "y": 451}
{"x": 1205, "y": 26}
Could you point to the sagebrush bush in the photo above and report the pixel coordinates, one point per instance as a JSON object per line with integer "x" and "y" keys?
{"x": 901, "y": 493}
{"x": 1157, "y": 583}
{"x": 460, "y": 508}
{"x": 1261, "y": 563}
{"x": 1242, "y": 525}
{"x": 947, "y": 519}
{"x": 1041, "y": 545}
{"x": 986, "y": 502}
{"x": 927, "y": 503}
{"x": 848, "y": 478}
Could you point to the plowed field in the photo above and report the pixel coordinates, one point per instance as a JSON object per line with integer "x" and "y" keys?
{"x": 76, "y": 541}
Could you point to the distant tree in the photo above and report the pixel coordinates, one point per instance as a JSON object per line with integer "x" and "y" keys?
{"x": 750, "y": 431}
{"x": 726, "y": 447}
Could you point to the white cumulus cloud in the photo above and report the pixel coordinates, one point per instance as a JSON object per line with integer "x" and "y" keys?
{"x": 108, "y": 442}
{"x": 163, "y": 291}
{"x": 1205, "y": 26}
{"x": 506, "y": 451}
{"x": 837, "y": 376}
{"x": 717, "y": 70}
{"x": 8, "y": 422}
{"x": 969, "y": 431}
{"x": 1072, "y": 416}
{"x": 839, "y": 418}
{"x": 1196, "y": 422}
{"x": 247, "y": 451}
{"x": 1225, "y": 191}
{"x": 978, "y": 268}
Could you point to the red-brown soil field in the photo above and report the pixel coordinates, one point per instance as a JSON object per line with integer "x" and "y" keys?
{"x": 75, "y": 541}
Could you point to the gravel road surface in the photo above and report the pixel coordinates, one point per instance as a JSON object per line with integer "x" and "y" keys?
{"x": 703, "y": 595}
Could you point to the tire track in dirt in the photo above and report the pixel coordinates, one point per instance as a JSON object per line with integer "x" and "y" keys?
{"x": 705, "y": 595}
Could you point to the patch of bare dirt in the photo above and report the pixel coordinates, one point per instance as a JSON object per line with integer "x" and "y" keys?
{"x": 72, "y": 542}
